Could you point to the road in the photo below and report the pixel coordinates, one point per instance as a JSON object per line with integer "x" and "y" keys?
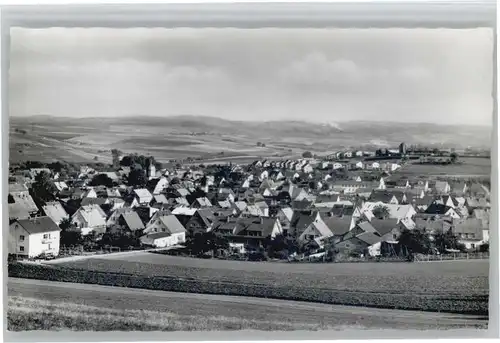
{"x": 235, "y": 306}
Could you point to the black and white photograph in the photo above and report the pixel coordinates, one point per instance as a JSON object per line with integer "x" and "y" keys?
{"x": 225, "y": 178}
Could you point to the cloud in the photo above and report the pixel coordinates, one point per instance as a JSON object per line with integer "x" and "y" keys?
{"x": 318, "y": 74}
{"x": 316, "y": 71}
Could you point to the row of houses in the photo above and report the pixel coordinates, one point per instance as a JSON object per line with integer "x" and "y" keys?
{"x": 258, "y": 205}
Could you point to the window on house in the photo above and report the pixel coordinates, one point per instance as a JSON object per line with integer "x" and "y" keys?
{"x": 21, "y": 248}
{"x": 472, "y": 246}
{"x": 394, "y": 236}
{"x": 21, "y": 238}
{"x": 47, "y": 235}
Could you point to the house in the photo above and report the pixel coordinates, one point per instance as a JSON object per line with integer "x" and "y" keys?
{"x": 356, "y": 165}
{"x": 308, "y": 226}
{"x": 90, "y": 193}
{"x": 383, "y": 196}
{"x": 94, "y": 201}
{"x": 442, "y": 210}
{"x": 398, "y": 183}
{"x": 307, "y": 168}
{"x": 401, "y": 212}
{"x": 21, "y": 204}
{"x": 339, "y": 225}
{"x": 471, "y": 232}
{"x": 33, "y": 237}
{"x": 157, "y": 186}
{"x": 202, "y": 220}
{"x": 458, "y": 188}
{"x": 131, "y": 221}
{"x": 253, "y": 211}
{"x": 115, "y": 215}
{"x": 164, "y": 231}
{"x": 433, "y": 225}
{"x": 440, "y": 187}
{"x": 350, "y": 187}
{"x": 226, "y": 194}
{"x": 55, "y": 211}
{"x": 263, "y": 207}
{"x": 257, "y": 227}
{"x": 473, "y": 203}
{"x": 336, "y": 166}
{"x": 90, "y": 218}
{"x": 201, "y": 202}
{"x": 143, "y": 196}
{"x": 160, "y": 199}
{"x": 373, "y": 165}
{"x": 359, "y": 244}
{"x": 60, "y": 185}
{"x": 478, "y": 189}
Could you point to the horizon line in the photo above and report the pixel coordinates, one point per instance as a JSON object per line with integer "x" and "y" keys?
{"x": 253, "y": 121}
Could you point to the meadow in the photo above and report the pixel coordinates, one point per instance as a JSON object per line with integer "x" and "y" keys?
{"x": 38, "y": 314}
{"x": 468, "y": 167}
{"x": 458, "y": 286}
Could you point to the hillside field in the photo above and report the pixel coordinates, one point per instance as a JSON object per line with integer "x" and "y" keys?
{"x": 48, "y": 138}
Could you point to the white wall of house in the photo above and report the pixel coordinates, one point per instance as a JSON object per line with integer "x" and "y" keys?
{"x": 174, "y": 239}
{"x": 32, "y": 245}
{"x": 471, "y": 244}
{"x": 452, "y": 213}
{"x": 18, "y": 240}
{"x": 277, "y": 229}
{"x": 47, "y": 242}
{"x": 160, "y": 186}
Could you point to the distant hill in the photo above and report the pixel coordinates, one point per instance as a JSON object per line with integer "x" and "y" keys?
{"x": 343, "y": 134}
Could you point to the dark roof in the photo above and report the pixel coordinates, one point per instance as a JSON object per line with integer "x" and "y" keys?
{"x": 302, "y": 219}
{"x": 93, "y": 201}
{"x": 261, "y": 224}
{"x": 469, "y": 226}
{"x": 38, "y": 225}
{"x": 172, "y": 224}
{"x": 437, "y": 209}
{"x": 381, "y": 195}
{"x": 426, "y": 200}
{"x": 384, "y": 226}
{"x": 133, "y": 221}
{"x": 337, "y": 225}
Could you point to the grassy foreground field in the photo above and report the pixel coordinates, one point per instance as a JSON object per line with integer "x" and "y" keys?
{"x": 37, "y": 304}
{"x": 34, "y": 314}
{"x": 454, "y": 287}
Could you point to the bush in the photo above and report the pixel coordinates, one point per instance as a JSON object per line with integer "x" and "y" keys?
{"x": 307, "y": 154}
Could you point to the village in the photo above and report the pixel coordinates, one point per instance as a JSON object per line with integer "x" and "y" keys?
{"x": 347, "y": 204}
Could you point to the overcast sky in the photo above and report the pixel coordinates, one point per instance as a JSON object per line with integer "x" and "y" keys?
{"x": 417, "y": 75}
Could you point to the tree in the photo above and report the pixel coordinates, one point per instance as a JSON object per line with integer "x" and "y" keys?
{"x": 447, "y": 240}
{"x": 43, "y": 189}
{"x": 307, "y": 154}
{"x": 381, "y": 212}
{"x": 115, "y": 153}
{"x": 414, "y": 242}
{"x": 69, "y": 235}
{"x": 57, "y": 166}
{"x": 137, "y": 178}
{"x": 101, "y": 180}
{"x": 484, "y": 247}
{"x": 96, "y": 158}
{"x": 119, "y": 237}
{"x": 453, "y": 157}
